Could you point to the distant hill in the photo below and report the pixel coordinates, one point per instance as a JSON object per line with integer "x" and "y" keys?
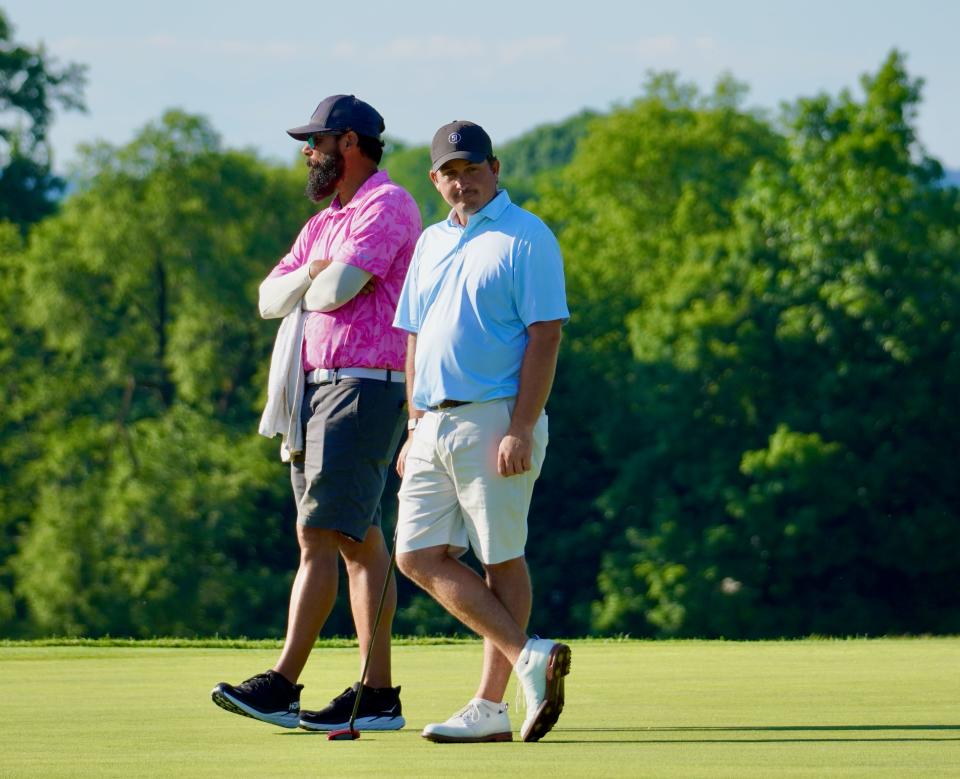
{"x": 524, "y": 160}
{"x": 544, "y": 148}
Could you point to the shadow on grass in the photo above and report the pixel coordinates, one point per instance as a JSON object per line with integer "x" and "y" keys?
{"x": 558, "y": 735}
{"x": 638, "y": 735}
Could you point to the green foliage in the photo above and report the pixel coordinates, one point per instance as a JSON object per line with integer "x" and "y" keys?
{"x": 170, "y": 236}
{"x": 525, "y": 162}
{"x": 18, "y": 367}
{"x": 546, "y": 147}
{"x": 421, "y": 615}
{"x": 144, "y": 502}
{"x": 753, "y": 427}
{"x": 410, "y": 168}
{"x": 31, "y": 84}
{"x": 156, "y": 538}
{"x": 789, "y": 372}
{"x": 648, "y": 179}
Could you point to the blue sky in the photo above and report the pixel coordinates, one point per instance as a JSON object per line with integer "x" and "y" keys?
{"x": 256, "y": 68}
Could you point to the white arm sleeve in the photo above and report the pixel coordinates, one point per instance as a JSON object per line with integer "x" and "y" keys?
{"x": 279, "y": 295}
{"x": 334, "y": 286}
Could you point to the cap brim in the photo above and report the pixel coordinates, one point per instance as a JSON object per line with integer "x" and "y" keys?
{"x": 473, "y": 156}
{"x": 305, "y": 131}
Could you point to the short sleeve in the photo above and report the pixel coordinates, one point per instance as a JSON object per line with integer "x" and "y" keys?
{"x": 539, "y": 286}
{"x": 379, "y": 230}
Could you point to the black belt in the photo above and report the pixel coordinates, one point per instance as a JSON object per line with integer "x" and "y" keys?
{"x": 448, "y": 404}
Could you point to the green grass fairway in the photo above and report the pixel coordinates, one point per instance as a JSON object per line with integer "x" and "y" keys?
{"x": 634, "y": 708}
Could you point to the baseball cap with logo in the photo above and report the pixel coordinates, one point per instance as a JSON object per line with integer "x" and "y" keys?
{"x": 460, "y": 140}
{"x": 339, "y": 113}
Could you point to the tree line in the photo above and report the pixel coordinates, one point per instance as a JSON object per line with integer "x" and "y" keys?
{"x": 754, "y": 422}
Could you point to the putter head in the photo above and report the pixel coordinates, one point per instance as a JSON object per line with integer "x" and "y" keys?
{"x": 347, "y": 734}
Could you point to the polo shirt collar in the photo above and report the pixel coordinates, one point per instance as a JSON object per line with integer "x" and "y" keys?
{"x": 492, "y": 210}
{"x": 378, "y": 178}
{"x": 497, "y": 206}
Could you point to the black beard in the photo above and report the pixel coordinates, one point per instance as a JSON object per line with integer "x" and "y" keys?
{"x": 323, "y": 176}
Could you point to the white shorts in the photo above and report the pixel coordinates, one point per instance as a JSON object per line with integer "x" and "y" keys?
{"x": 451, "y": 493}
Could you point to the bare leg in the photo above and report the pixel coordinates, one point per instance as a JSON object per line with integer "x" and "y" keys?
{"x": 466, "y": 596}
{"x": 367, "y": 564}
{"x": 509, "y": 581}
{"x": 311, "y": 599}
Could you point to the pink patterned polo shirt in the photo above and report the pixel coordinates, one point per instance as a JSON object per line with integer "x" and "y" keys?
{"x": 376, "y": 232}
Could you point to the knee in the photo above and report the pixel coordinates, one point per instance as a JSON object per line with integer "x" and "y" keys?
{"x": 317, "y": 545}
{"x": 415, "y": 566}
{"x": 423, "y": 566}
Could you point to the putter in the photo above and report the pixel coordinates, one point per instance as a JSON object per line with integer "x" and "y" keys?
{"x": 350, "y": 733}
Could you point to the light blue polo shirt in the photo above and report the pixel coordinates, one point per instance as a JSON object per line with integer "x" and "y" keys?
{"x": 470, "y": 294}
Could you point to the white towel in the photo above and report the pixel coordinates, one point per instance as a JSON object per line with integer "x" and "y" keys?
{"x": 285, "y": 386}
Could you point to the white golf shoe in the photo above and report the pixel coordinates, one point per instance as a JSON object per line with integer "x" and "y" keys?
{"x": 479, "y": 720}
{"x": 540, "y": 670}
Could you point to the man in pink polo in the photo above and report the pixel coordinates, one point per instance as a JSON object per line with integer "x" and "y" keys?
{"x": 337, "y": 396}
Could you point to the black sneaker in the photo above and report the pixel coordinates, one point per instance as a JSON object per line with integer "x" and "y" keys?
{"x": 268, "y": 697}
{"x": 379, "y": 710}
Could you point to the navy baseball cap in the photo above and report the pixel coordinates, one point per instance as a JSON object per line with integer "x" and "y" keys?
{"x": 339, "y": 113}
{"x": 460, "y": 140}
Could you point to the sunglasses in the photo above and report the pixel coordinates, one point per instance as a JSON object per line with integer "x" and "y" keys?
{"x": 314, "y": 139}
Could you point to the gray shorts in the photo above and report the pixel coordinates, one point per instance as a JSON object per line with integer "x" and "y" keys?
{"x": 351, "y": 432}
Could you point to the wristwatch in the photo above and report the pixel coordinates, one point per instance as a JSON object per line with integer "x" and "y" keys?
{"x": 412, "y": 423}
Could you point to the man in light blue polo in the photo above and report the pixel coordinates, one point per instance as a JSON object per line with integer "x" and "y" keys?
{"x": 483, "y": 303}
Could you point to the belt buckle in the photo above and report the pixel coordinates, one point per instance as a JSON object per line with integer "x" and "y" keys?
{"x": 447, "y": 403}
{"x": 322, "y": 376}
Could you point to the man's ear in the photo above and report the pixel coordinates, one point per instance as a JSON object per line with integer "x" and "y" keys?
{"x": 348, "y": 139}
{"x": 433, "y": 177}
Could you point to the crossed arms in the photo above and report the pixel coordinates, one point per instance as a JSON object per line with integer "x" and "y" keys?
{"x": 321, "y": 285}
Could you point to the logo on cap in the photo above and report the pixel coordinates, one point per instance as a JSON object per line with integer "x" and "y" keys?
{"x": 454, "y": 137}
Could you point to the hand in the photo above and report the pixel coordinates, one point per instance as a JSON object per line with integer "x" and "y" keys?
{"x": 367, "y": 288}
{"x": 402, "y": 457}
{"x": 318, "y": 265}
{"x": 514, "y": 454}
